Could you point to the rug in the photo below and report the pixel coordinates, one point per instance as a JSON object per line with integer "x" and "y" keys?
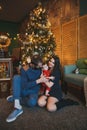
{"x": 66, "y": 102}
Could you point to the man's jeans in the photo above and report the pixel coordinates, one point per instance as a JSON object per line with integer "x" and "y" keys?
{"x": 25, "y": 96}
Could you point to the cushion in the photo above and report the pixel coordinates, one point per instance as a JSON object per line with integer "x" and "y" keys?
{"x": 85, "y": 61}
{"x": 83, "y": 71}
{"x": 81, "y": 64}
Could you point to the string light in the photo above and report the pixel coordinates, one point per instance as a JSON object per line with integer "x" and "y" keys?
{"x": 38, "y": 37}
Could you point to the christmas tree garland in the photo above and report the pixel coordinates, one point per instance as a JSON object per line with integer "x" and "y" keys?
{"x": 37, "y": 37}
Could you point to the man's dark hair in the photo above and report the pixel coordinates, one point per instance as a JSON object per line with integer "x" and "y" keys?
{"x": 35, "y": 60}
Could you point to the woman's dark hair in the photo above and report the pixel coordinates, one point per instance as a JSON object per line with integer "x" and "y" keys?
{"x": 57, "y": 66}
{"x": 35, "y": 60}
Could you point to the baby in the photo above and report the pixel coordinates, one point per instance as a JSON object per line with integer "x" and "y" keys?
{"x": 47, "y": 86}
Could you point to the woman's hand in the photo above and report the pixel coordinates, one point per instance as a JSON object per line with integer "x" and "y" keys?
{"x": 51, "y": 77}
{"x": 42, "y": 79}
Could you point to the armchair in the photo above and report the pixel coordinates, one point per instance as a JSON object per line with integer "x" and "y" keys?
{"x": 74, "y": 80}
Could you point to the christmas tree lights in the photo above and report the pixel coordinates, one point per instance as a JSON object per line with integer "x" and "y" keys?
{"x": 38, "y": 38}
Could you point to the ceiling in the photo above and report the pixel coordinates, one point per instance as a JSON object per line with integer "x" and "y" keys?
{"x": 16, "y": 10}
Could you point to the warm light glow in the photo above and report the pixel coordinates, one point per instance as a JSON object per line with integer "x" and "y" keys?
{"x": 37, "y": 37}
{"x": 0, "y": 7}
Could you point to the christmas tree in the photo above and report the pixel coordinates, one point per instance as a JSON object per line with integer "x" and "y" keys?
{"x": 38, "y": 38}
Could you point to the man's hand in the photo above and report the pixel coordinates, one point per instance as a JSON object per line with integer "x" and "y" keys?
{"x": 42, "y": 79}
{"x": 26, "y": 67}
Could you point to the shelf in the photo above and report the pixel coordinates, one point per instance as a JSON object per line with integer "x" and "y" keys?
{"x": 5, "y": 79}
{"x": 6, "y": 73}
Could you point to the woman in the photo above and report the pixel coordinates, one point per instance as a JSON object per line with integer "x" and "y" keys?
{"x": 26, "y": 87}
{"x": 55, "y": 94}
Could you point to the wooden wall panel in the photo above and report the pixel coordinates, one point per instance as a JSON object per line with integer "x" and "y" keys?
{"x": 57, "y": 32}
{"x": 69, "y": 42}
{"x": 82, "y": 37}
